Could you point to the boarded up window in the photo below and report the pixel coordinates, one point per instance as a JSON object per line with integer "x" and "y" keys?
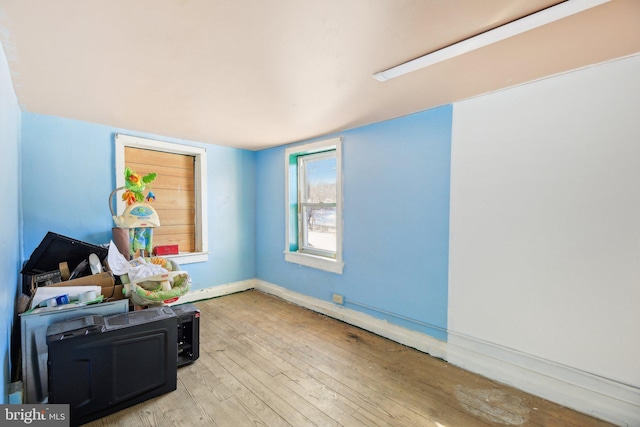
{"x": 175, "y": 194}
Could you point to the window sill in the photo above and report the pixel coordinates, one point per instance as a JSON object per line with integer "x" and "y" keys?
{"x": 189, "y": 257}
{"x": 314, "y": 261}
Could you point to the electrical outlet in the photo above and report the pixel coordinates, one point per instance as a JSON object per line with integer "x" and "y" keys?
{"x": 338, "y": 299}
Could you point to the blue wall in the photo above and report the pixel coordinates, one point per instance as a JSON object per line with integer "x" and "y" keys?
{"x": 10, "y": 239}
{"x": 69, "y": 173}
{"x": 396, "y": 222}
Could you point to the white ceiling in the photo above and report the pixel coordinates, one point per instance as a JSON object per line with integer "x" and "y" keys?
{"x": 255, "y": 74}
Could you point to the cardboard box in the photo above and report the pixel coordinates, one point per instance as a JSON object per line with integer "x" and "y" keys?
{"x": 113, "y": 293}
{"x": 105, "y": 280}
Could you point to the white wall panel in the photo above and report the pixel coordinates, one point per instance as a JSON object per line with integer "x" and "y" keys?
{"x": 545, "y": 220}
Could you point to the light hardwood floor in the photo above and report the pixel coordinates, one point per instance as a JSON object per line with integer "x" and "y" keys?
{"x": 266, "y": 362}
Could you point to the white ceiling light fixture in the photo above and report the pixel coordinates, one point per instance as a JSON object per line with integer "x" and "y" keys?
{"x": 529, "y": 22}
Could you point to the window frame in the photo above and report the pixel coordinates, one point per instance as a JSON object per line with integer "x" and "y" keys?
{"x": 292, "y": 252}
{"x": 200, "y": 188}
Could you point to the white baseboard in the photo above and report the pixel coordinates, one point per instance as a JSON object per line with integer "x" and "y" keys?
{"x": 579, "y": 390}
{"x": 417, "y": 340}
{"x": 217, "y": 291}
{"x": 584, "y": 392}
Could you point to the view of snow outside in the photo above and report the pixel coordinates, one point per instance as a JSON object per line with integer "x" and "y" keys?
{"x": 322, "y": 229}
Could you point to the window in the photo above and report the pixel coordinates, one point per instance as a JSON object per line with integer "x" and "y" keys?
{"x": 180, "y": 191}
{"x": 314, "y": 205}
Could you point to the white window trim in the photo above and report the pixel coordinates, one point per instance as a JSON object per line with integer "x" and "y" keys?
{"x": 200, "y": 169}
{"x": 323, "y": 263}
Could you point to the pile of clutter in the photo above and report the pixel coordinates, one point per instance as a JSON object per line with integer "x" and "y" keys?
{"x": 64, "y": 272}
